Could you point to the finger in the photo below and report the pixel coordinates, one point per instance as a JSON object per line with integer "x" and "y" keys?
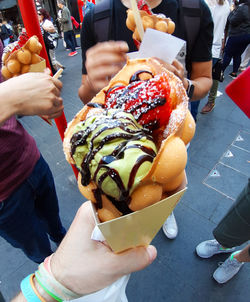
{"x": 177, "y": 64}
{"x": 57, "y": 83}
{"x": 104, "y": 73}
{"x": 136, "y": 259}
{"x": 56, "y": 114}
{"x": 58, "y": 102}
{"x": 56, "y": 91}
{"x": 47, "y": 71}
{"x": 112, "y": 46}
{"x": 106, "y": 59}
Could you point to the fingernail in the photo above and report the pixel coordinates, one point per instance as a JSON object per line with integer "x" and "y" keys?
{"x": 151, "y": 250}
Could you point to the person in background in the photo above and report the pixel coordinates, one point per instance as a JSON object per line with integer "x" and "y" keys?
{"x": 87, "y": 5}
{"x": 4, "y": 33}
{"x": 245, "y": 58}
{"x": 220, "y": 10}
{"x": 83, "y": 265}
{"x": 29, "y": 210}
{"x": 75, "y": 26}
{"x": 238, "y": 33}
{"x": 233, "y": 230}
{"x": 66, "y": 26}
{"x": 47, "y": 25}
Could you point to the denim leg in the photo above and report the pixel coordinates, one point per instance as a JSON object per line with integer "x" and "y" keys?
{"x": 213, "y": 92}
{"x": 31, "y": 212}
{"x": 20, "y": 226}
{"x": 194, "y": 108}
{"x": 69, "y": 39}
{"x": 46, "y": 202}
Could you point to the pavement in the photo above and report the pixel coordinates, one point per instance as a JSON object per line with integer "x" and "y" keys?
{"x": 218, "y": 169}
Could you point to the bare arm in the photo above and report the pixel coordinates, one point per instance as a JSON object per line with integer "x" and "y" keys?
{"x": 102, "y": 62}
{"x": 202, "y": 78}
{"x": 30, "y": 94}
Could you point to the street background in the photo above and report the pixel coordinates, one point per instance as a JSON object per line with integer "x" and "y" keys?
{"x": 217, "y": 170}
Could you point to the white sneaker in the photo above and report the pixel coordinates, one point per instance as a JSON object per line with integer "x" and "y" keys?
{"x": 207, "y": 249}
{"x": 227, "y": 270}
{"x": 170, "y": 227}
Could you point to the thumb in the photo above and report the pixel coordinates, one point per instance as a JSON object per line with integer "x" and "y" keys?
{"x": 137, "y": 258}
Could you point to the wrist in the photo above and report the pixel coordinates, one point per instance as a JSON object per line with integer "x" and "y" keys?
{"x": 42, "y": 292}
{"x": 185, "y": 83}
{"x": 190, "y": 89}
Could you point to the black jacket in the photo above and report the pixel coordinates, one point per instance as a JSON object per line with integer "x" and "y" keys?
{"x": 238, "y": 21}
{"x": 4, "y": 34}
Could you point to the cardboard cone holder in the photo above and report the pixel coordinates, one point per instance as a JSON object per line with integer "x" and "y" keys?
{"x": 138, "y": 228}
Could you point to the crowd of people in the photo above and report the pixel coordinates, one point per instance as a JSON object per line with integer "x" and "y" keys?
{"x": 28, "y": 199}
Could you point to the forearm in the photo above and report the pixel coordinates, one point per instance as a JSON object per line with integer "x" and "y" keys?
{"x": 201, "y": 76}
{"x": 8, "y": 105}
{"x": 202, "y": 86}
{"x": 86, "y": 92}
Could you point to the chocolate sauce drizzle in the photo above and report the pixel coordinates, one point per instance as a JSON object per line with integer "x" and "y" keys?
{"x": 116, "y": 121}
{"x": 95, "y": 105}
{"x": 136, "y": 75}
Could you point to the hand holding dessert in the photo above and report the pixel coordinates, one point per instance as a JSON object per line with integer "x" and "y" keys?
{"x": 103, "y": 61}
{"x": 34, "y": 94}
{"x": 85, "y": 266}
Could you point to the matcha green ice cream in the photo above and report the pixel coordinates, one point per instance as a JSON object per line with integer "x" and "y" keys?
{"x": 114, "y": 151}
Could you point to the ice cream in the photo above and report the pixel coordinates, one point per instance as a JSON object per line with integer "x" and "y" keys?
{"x": 114, "y": 151}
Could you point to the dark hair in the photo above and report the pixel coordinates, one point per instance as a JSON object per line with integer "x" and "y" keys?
{"x": 44, "y": 13}
{"x": 1, "y": 20}
{"x": 221, "y": 2}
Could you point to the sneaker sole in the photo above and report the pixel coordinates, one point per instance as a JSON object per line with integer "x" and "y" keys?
{"x": 209, "y": 256}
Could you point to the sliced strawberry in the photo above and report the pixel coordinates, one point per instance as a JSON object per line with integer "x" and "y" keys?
{"x": 148, "y": 101}
{"x": 142, "y": 5}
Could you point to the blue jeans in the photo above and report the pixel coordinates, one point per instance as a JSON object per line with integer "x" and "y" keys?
{"x": 31, "y": 212}
{"x": 69, "y": 39}
{"x": 234, "y": 48}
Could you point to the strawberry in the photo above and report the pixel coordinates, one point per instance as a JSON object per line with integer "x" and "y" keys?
{"x": 148, "y": 101}
{"x": 142, "y": 5}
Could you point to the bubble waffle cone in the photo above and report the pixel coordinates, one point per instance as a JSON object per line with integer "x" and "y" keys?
{"x": 142, "y": 96}
{"x": 157, "y": 22}
{"x": 19, "y": 58}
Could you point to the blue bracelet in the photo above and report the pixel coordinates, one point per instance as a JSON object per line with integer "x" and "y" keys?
{"x": 27, "y": 290}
